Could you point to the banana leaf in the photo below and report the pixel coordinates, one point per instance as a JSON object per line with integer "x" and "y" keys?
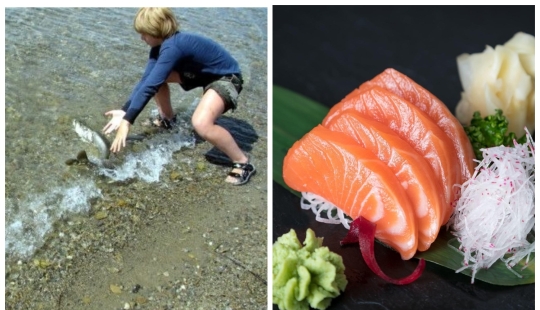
{"x": 295, "y": 115}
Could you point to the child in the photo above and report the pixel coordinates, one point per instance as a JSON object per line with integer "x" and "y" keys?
{"x": 192, "y": 61}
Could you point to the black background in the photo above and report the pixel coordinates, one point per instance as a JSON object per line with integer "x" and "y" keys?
{"x": 323, "y": 53}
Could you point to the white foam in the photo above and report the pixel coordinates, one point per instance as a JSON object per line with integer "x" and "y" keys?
{"x": 28, "y": 221}
{"x": 147, "y": 165}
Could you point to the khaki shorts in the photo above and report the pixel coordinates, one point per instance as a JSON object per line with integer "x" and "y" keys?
{"x": 228, "y": 88}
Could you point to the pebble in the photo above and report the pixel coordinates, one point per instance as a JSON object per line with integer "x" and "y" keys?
{"x": 136, "y": 288}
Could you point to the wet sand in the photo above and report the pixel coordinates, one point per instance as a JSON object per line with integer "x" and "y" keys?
{"x": 192, "y": 242}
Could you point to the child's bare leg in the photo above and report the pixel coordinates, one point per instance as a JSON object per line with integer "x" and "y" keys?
{"x": 163, "y": 102}
{"x": 209, "y": 109}
{"x": 163, "y": 97}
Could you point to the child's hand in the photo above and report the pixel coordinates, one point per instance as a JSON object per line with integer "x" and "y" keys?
{"x": 121, "y": 135}
{"x": 114, "y": 123}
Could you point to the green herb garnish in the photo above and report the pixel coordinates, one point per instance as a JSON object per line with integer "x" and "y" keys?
{"x": 490, "y": 131}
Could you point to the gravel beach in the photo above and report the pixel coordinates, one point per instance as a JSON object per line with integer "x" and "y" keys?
{"x": 186, "y": 241}
{"x": 191, "y": 242}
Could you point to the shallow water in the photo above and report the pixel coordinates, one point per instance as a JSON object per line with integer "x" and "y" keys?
{"x": 77, "y": 63}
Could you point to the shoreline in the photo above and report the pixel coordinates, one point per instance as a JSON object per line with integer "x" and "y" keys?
{"x": 158, "y": 241}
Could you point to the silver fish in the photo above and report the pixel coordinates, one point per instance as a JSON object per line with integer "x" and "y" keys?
{"x": 93, "y": 137}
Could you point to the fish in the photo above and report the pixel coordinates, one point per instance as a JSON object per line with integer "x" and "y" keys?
{"x": 403, "y": 86}
{"x": 411, "y": 169}
{"x": 335, "y": 167}
{"x": 413, "y": 126}
{"x": 82, "y": 159}
{"x": 93, "y": 137}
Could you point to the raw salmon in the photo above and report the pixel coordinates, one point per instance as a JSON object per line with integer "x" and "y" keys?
{"x": 413, "y": 126}
{"x": 410, "y": 168}
{"x": 406, "y": 88}
{"x": 333, "y": 166}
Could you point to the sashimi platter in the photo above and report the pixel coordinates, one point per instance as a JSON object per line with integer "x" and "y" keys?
{"x": 390, "y": 168}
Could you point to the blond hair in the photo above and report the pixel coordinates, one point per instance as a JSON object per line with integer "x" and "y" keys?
{"x": 157, "y": 22}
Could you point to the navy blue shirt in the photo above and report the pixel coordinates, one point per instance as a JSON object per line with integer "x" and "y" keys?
{"x": 189, "y": 54}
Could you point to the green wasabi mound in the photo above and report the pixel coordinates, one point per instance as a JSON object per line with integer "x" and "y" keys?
{"x": 305, "y": 276}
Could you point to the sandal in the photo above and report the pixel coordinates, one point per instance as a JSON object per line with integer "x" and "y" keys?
{"x": 247, "y": 171}
{"x": 160, "y": 122}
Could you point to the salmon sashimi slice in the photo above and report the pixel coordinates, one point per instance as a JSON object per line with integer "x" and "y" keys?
{"x": 413, "y": 126}
{"x": 410, "y": 168}
{"x": 333, "y": 166}
{"x": 403, "y": 86}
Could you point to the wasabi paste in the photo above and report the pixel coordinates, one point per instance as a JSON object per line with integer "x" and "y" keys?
{"x": 305, "y": 276}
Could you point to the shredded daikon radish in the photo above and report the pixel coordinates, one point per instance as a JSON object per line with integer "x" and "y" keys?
{"x": 325, "y": 211}
{"x": 495, "y": 212}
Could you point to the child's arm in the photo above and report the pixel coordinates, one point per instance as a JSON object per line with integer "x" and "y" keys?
{"x": 152, "y": 59}
{"x": 159, "y": 73}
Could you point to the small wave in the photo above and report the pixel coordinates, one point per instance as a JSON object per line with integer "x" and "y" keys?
{"x": 147, "y": 165}
{"x": 29, "y": 220}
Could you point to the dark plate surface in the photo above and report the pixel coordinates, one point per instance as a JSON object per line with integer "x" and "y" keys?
{"x": 324, "y": 53}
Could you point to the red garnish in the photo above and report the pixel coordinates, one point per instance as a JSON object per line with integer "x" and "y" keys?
{"x": 363, "y": 232}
